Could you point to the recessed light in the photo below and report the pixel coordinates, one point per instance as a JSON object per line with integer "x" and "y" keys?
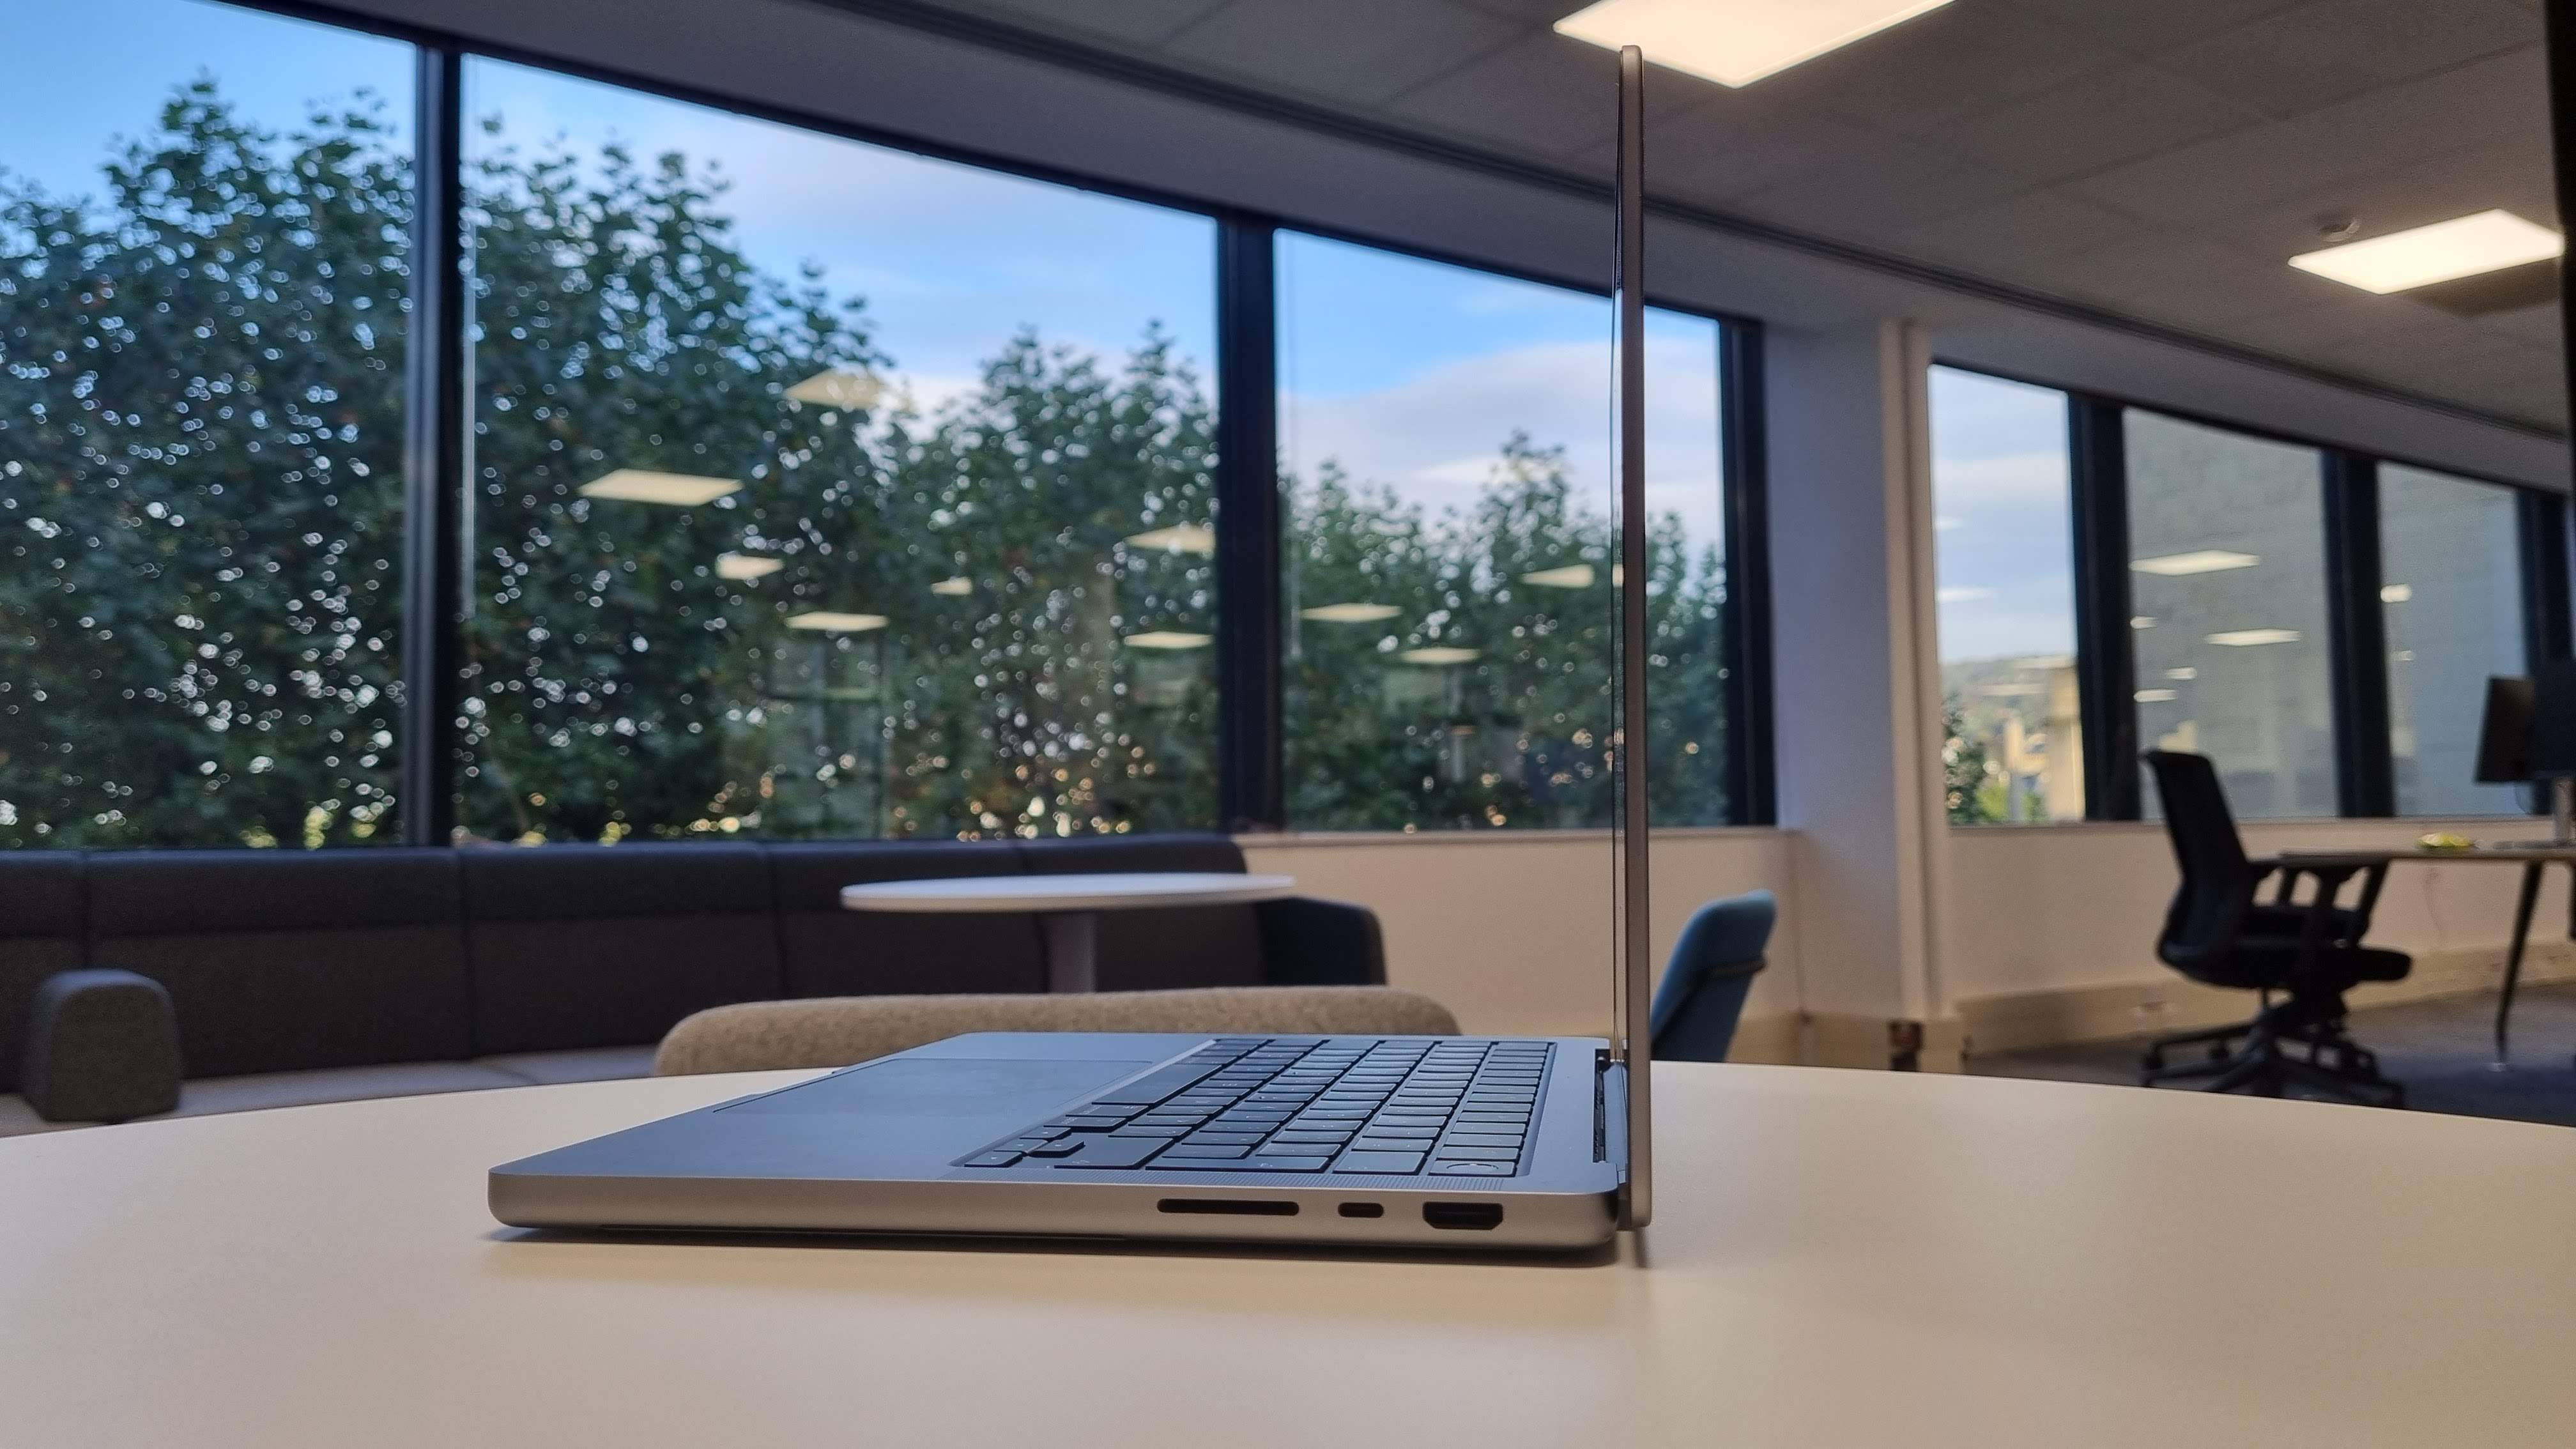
{"x": 2142, "y": 621}
{"x": 744, "y": 566}
{"x": 639, "y": 485}
{"x": 2445, "y": 251}
{"x": 2184, "y": 673}
{"x": 2198, "y": 561}
{"x": 1350, "y": 613}
{"x": 2396, "y": 593}
{"x": 837, "y": 389}
{"x": 2248, "y": 638}
{"x": 828, "y": 622}
{"x": 1179, "y": 538}
{"x": 1170, "y": 639}
{"x": 1736, "y": 42}
{"x": 2155, "y": 696}
{"x": 1441, "y": 654}
{"x": 956, "y": 588}
{"x": 1572, "y": 576}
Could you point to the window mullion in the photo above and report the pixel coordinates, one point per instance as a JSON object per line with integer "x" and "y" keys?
{"x": 1250, "y": 696}
{"x": 434, "y": 472}
{"x": 2365, "y": 776}
{"x": 2106, "y": 676}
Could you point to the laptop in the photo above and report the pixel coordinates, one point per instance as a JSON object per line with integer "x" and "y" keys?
{"x": 1422, "y": 1142}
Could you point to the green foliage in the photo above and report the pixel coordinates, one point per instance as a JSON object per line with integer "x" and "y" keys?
{"x": 201, "y": 448}
{"x": 1969, "y": 783}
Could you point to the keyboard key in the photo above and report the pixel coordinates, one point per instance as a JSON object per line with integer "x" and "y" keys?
{"x": 1385, "y": 1129}
{"x": 1064, "y": 1147}
{"x": 1165, "y": 1133}
{"x": 1482, "y": 1139}
{"x": 995, "y": 1158}
{"x": 1471, "y": 1169}
{"x": 1357, "y": 1161}
{"x": 1227, "y": 1139}
{"x": 1205, "y": 1149}
{"x": 1252, "y": 1164}
{"x": 1478, "y": 1154}
{"x": 1042, "y": 1134}
{"x": 1156, "y": 1085}
{"x": 1112, "y": 1151}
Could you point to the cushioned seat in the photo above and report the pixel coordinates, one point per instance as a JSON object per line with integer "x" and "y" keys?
{"x": 767, "y": 1035}
{"x": 44, "y": 912}
{"x": 610, "y": 945}
{"x": 283, "y": 961}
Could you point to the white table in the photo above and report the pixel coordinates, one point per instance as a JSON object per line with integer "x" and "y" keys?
{"x": 1841, "y": 1259}
{"x": 1068, "y": 907}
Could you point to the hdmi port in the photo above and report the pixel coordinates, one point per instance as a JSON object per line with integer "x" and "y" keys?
{"x": 1478, "y": 1217}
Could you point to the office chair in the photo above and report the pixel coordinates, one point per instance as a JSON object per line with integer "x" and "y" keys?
{"x": 2307, "y": 955}
{"x": 1711, "y": 972}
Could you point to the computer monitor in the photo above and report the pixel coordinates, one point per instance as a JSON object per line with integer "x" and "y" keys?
{"x": 2553, "y": 721}
{"x": 2504, "y": 734}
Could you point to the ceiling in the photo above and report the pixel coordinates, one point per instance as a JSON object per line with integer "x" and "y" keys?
{"x": 2157, "y": 158}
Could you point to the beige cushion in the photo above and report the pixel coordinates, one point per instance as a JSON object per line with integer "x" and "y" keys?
{"x": 836, "y": 1031}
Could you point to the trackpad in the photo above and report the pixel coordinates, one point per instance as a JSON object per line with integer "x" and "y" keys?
{"x": 947, "y": 1088}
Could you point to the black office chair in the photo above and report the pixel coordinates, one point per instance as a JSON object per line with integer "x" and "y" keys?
{"x": 2305, "y": 954}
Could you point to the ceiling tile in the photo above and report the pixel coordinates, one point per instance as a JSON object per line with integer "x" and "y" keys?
{"x": 2511, "y": 174}
{"x": 1545, "y": 95}
{"x": 2539, "y": 326}
{"x": 1138, "y": 20}
{"x": 1733, "y": 143}
{"x": 2098, "y": 122}
{"x": 1955, "y": 60}
{"x": 1358, "y": 50}
{"x": 2325, "y": 51}
{"x": 1865, "y": 197}
{"x": 2499, "y": 97}
{"x": 2144, "y": 27}
{"x": 1539, "y": 12}
{"x": 2000, "y": 240}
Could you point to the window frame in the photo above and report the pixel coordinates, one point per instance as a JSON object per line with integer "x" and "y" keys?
{"x": 438, "y": 557}
{"x": 2348, "y": 483}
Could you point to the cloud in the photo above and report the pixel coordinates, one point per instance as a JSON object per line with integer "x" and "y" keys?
{"x": 1434, "y": 436}
{"x": 2001, "y": 480}
{"x": 1962, "y": 594}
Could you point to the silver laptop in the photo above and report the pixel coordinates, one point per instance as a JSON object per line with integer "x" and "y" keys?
{"x": 1443, "y": 1142}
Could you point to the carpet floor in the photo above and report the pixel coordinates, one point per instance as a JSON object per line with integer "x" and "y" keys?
{"x": 2443, "y": 1050}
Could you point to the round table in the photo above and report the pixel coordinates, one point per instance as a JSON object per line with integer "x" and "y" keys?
{"x": 1068, "y": 907}
{"x": 1841, "y": 1258}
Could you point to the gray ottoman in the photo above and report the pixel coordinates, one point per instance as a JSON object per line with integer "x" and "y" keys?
{"x": 102, "y": 1046}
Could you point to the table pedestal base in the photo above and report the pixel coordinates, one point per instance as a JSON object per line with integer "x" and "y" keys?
{"x": 1072, "y": 950}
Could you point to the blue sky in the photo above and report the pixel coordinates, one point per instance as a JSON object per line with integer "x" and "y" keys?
{"x": 2002, "y": 530}
{"x": 1409, "y": 372}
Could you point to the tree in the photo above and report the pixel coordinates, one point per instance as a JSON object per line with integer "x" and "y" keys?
{"x": 992, "y": 618}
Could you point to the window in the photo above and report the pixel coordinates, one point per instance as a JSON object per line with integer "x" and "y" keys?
{"x": 203, "y": 278}
{"x": 2003, "y": 538}
{"x": 2228, "y": 595}
{"x": 2451, "y": 596}
{"x": 1448, "y": 553}
{"x": 822, "y": 489}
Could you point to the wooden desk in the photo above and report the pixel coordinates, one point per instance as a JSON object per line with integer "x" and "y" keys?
{"x": 1068, "y": 907}
{"x": 1840, "y": 1258}
{"x": 2534, "y": 858}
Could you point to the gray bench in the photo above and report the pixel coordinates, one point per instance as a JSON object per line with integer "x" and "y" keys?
{"x": 299, "y": 977}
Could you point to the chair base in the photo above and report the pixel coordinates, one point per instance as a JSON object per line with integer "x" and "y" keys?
{"x": 2261, "y": 1057}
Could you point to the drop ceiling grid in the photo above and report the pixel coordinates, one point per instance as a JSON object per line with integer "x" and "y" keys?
{"x": 2160, "y": 157}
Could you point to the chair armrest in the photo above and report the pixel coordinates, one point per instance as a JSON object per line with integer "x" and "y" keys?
{"x": 102, "y": 1046}
{"x": 1311, "y": 942}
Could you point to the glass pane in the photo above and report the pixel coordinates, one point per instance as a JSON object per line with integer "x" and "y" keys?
{"x": 203, "y": 273}
{"x": 2004, "y": 548}
{"x": 822, "y": 489}
{"x": 2451, "y": 592}
{"x": 1450, "y": 627}
{"x": 2228, "y": 591}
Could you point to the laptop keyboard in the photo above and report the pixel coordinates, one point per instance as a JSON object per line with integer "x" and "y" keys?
{"x": 1442, "y": 1107}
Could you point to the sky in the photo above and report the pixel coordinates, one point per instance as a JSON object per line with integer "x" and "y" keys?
{"x": 1409, "y": 372}
{"x": 2003, "y": 536}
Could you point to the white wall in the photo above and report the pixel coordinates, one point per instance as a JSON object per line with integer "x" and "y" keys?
{"x": 1512, "y": 931}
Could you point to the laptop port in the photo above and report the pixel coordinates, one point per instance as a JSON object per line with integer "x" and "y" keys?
{"x": 1363, "y": 1210}
{"x": 1477, "y": 1217}
{"x": 1238, "y": 1206}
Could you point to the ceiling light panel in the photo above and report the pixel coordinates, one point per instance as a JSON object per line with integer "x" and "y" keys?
{"x": 1572, "y": 576}
{"x": 1736, "y": 42}
{"x": 1179, "y": 538}
{"x": 1441, "y": 654}
{"x": 2248, "y": 638}
{"x": 2198, "y": 561}
{"x": 640, "y": 485}
{"x": 2445, "y": 251}
{"x": 828, "y": 622}
{"x": 1350, "y": 613}
{"x": 837, "y": 389}
{"x": 745, "y": 567}
{"x": 1169, "y": 639}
